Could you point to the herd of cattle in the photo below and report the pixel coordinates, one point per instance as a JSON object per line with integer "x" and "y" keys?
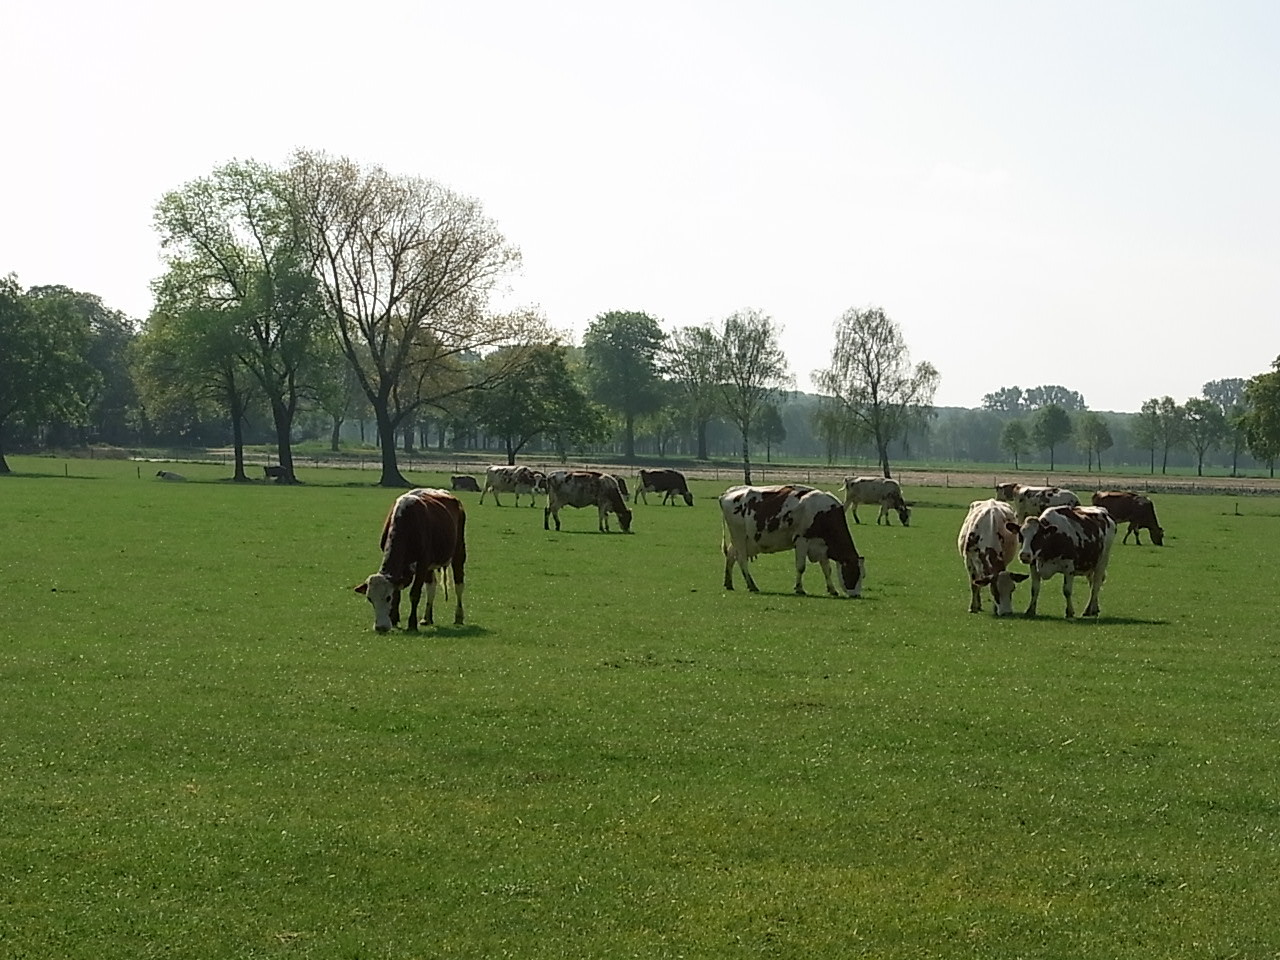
{"x": 1046, "y": 528}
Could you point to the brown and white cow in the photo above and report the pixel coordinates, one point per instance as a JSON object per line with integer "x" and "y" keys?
{"x": 1134, "y": 509}
{"x": 516, "y": 479}
{"x": 790, "y": 517}
{"x": 460, "y": 481}
{"x": 669, "y": 483}
{"x": 424, "y": 532}
{"x": 988, "y": 542}
{"x": 585, "y": 488}
{"x": 885, "y": 492}
{"x": 1033, "y": 501}
{"x": 1069, "y": 541}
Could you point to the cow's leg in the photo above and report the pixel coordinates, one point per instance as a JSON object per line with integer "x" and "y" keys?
{"x": 1068, "y": 581}
{"x": 883, "y": 515}
{"x": 729, "y": 561}
{"x": 800, "y": 564}
{"x": 457, "y": 607}
{"x": 740, "y": 554}
{"x": 603, "y": 525}
{"x": 1035, "y": 591}
{"x": 415, "y": 594}
{"x": 548, "y": 512}
{"x": 394, "y": 610}
{"x": 1137, "y": 533}
{"x": 1096, "y": 579}
{"x": 854, "y": 511}
{"x": 975, "y": 601}
{"x": 825, "y": 563}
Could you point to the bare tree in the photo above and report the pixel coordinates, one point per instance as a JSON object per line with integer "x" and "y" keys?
{"x": 406, "y": 268}
{"x": 751, "y": 372}
{"x": 871, "y": 383}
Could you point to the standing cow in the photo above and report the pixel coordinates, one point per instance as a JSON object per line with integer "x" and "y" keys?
{"x": 585, "y": 488}
{"x": 424, "y": 532}
{"x": 791, "y": 517}
{"x": 1069, "y": 541}
{"x": 512, "y": 479}
{"x": 1134, "y": 509}
{"x": 461, "y": 481}
{"x": 1033, "y": 501}
{"x": 988, "y": 542}
{"x": 883, "y": 491}
{"x": 669, "y": 483}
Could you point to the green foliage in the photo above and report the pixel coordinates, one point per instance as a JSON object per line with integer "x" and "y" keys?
{"x": 1015, "y": 440}
{"x": 1094, "y": 435}
{"x": 1050, "y": 427}
{"x": 751, "y": 371}
{"x": 1204, "y": 427}
{"x": 615, "y": 757}
{"x": 622, "y": 349}
{"x": 1262, "y": 422}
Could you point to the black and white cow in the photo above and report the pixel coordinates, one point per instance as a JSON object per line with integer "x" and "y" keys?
{"x": 461, "y": 481}
{"x": 585, "y": 488}
{"x": 517, "y": 480}
{"x": 669, "y": 483}
{"x": 883, "y": 491}
{"x": 988, "y": 542}
{"x": 790, "y": 517}
{"x": 1070, "y": 541}
{"x": 1135, "y": 510}
{"x": 1033, "y": 501}
{"x": 171, "y": 476}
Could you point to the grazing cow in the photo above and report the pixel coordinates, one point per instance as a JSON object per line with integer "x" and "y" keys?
{"x": 424, "y": 532}
{"x": 1134, "y": 509}
{"x": 170, "y": 475}
{"x": 517, "y": 480}
{"x": 585, "y": 488}
{"x": 460, "y": 481}
{"x": 988, "y": 542}
{"x": 1033, "y": 501}
{"x": 791, "y": 517}
{"x": 1068, "y": 540}
{"x": 881, "y": 490}
{"x": 278, "y": 474}
{"x": 669, "y": 483}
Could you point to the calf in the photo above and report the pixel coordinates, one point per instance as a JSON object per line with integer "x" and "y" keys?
{"x": 516, "y": 480}
{"x": 669, "y": 483}
{"x": 1033, "y": 501}
{"x": 460, "y": 481}
{"x": 773, "y": 519}
{"x": 879, "y": 490}
{"x": 1069, "y": 541}
{"x": 585, "y": 488}
{"x": 170, "y": 475}
{"x": 424, "y": 532}
{"x": 1134, "y": 509}
{"x": 988, "y": 543}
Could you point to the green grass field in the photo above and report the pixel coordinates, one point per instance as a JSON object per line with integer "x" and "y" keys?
{"x": 208, "y": 752}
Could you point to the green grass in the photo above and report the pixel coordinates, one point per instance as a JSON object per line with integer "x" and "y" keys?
{"x": 208, "y": 752}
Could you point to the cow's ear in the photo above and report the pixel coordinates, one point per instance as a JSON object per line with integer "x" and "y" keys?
{"x": 1018, "y": 577}
{"x": 1012, "y": 527}
{"x": 362, "y": 588}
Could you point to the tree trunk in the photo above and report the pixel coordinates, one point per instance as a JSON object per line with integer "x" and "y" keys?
{"x": 702, "y": 440}
{"x": 391, "y": 475}
{"x": 746, "y": 459}
{"x": 1051, "y": 458}
{"x": 237, "y": 438}
{"x": 629, "y": 437}
{"x": 511, "y": 454}
{"x": 4, "y": 464}
{"x": 335, "y": 434}
{"x": 282, "y": 414}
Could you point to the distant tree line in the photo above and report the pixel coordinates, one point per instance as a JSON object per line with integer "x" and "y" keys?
{"x": 327, "y": 299}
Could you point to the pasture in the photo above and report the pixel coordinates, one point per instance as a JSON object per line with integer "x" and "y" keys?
{"x": 208, "y": 752}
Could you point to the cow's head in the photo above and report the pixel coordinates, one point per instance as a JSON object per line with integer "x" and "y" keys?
{"x": 1157, "y": 535}
{"x": 1002, "y": 587}
{"x": 688, "y": 498}
{"x": 624, "y": 517}
{"x": 1031, "y": 531}
{"x": 1007, "y": 491}
{"x": 381, "y": 591}
{"x": 852, "y": 573}
{"x": 904, "y": 514}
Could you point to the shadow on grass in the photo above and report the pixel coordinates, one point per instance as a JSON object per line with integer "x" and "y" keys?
{"x": 448, "y": 630}
{"x": 42, "y": 475}
{"x": 1102, "y": 621}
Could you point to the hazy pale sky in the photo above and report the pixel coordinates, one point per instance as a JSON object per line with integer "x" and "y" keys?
{"x": 1081, "y": 193}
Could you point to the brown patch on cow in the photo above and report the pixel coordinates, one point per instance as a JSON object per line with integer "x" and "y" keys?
{"x": 767, "y": 510}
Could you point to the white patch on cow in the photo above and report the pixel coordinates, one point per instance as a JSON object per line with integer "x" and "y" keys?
{"x": 1068, "y": 540}
{"x": 988, "y": 543}
{"x": 380, "y": 592}
{"x": 1032, "y": 501}
{"x": 882, "y": 491}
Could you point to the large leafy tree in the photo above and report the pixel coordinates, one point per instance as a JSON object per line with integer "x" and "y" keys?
{"x": 1203, "y": 428}
{"x": 872, "y": 383}
{"x": 751, "y": 371}
{"x": 1050, "y": 427}
{"x": 234, "y": 259}
{"x": 406, "y": 268}
{"x": 1228, "y": 396}
{"x": 1144, "y": 431}
{"x": 543, "y": 401}
{"x": 44, "y": 370}
{"x": 690, "y": 361}
{"x": 622, "y": 351}
{"x": 1169, "y": 421}
{"x": 1053, "y": 394}
{"x": 1014, "y": 440}
{"x": 1094, "y": 436}
{"x": 1005, "y": 400}
{"x": 1262, "y": 422}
